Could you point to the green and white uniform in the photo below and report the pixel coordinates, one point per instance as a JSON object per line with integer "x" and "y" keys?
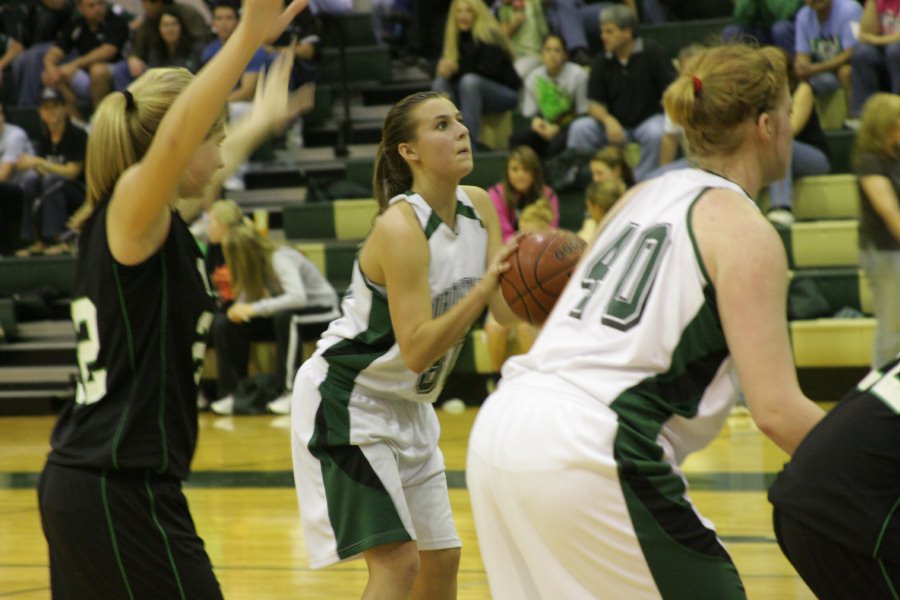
{"x": 573, "y": 462}
{"x": 364, "y": 434}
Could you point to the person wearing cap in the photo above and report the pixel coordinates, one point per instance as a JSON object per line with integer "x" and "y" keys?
{"x": 78, "y": 62}
{"x": 57, "y": 177}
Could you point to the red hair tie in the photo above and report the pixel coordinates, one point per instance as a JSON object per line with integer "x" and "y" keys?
{"x": 698, "y": 85}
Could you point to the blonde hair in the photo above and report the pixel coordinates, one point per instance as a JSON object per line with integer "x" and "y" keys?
{"x": 121, "y": 132}
{"x": 720, "y": 89}
{"x": 249, "y": 259}
{"x": 877, "y": 121}
{"x": 228, "y": 213}
{"x": 604, "y": 194}
{"x": 537, "y": 216}
{"x": 485, "y": 29}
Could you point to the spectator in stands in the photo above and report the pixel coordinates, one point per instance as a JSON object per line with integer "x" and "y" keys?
{"x": 57, "y": 179}
{"x": 522, "y": 186}
{"x": 156, "y": 44}
{"x": 769, "y": 21}
{"x": 14, "y": 143}
{"x": 876, "y": 159}
{"x": 824, "y": 43}
{"x": 578, "y": 22}
{"x": 555, "y": 94}
{"x": 609, "y": 164}
{"x": 225, "y": 21}
{"x": 876, "y": 59}
{"x": 810, "y": 154}
{"x": 10, "y": 42}
{"x": 40, "y": 27}
{"x": 524, "y": 24}
{"x": 599, "y": 198}
{"x": 427, "y": 31}
{"x": 79, "y": 62}
{"x": 271, "y": 284}
{"x": 303, "y": 36}
{"x": 625, "y": 89}
{"x": 476, "y": 68}
{"x": 835, "y": 502}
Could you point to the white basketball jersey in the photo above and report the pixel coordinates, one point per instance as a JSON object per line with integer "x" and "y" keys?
{"x": 359, "y": 353}
{"x": 637, "y": 326}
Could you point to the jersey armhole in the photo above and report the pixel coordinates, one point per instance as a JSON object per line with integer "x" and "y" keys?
{"x": 690, "y": 228}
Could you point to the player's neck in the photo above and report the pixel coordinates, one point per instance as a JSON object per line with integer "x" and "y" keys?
{"x": 735, "y": 172}
{"x": 440, "y": 194}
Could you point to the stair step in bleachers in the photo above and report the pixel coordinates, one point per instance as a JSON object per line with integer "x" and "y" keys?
{"x": 833, "y": 342}
{"x": 822, "y": 243}
{"x": 841, "y": 287}
{"x": 676, "y": 35}
{"x": 334, "y": 258}
{"x": 348, "y": 219}
{"x": 822, "y": 197}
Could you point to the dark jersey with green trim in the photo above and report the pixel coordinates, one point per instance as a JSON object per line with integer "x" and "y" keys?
{"x": 141, "y": 333}
{"x": 844, "y": 479}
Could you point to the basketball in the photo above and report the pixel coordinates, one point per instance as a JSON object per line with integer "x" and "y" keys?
{"x": 539, "y": 271}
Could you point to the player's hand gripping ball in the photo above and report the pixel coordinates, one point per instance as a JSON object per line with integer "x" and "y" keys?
{"x": 539, "y": 270}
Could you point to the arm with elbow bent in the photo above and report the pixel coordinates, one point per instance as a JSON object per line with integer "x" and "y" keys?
{"x": 747, "y": 266}
{"x": 397, "y": 254}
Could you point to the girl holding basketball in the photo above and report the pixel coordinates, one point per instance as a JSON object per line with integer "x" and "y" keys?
{"x": 682, "y": 293}
{"x": 112, "y": 507}
{"x": 370, "y": 477}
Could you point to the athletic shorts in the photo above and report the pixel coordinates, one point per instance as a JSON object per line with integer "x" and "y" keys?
{"x": 121, "y": 535}
{"x": 368, "y": 472}
{"x": 558, "y": 517}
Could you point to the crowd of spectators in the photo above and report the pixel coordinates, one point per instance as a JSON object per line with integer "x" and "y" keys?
{"x": 60, "y": 58}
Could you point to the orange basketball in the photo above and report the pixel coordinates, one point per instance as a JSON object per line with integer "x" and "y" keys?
{"x": 539, "y": 271}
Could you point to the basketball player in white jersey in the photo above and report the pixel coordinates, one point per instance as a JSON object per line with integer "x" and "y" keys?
{"x": 370, "y": 477}
{"x": 573, "y": 464}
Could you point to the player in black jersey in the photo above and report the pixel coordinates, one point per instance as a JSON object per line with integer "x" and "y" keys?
{"x": 116, "y": 520}
{"x": 837, "y": 503}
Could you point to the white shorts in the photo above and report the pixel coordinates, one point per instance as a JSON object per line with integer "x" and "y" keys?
{"x": 368, "y": 472}
{"x": 556, "y": 519}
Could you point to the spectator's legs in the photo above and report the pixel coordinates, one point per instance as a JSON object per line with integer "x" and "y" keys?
{"x": 101, "y": 76}
{"x": 653, "y": 12}
{"x": 120, "y": 74}
{"x": 648, "y": 135}
{"x": 806, "y": 160}
{"x": 232, "y": 344}
{"x": 783, "y": 35}
{"x": 59, "y": 194}
{"x": 31, "y": 190}
{"x": 527, "y": 137}
{"x": 282, "y": 322}
{"x": 824, "y": 83}
{"x": 564, "y": 19}
{"x": 867, "y": 64}
{"x": 10, "y": 216}
{"x": 28, "y": 68}
{"x": 892, "y": 58}
{"x": 479, "y": 95}
{"x": 883, "y": 272}
{"x": 586, "y": 133}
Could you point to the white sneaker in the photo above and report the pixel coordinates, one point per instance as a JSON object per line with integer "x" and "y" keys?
{"x": 852, "y": 124}
{"x": 280, "y": 405}
{"x": 223, "y": 406}
{"x": 781, "y": 216}
{"x": 202, "y": 402}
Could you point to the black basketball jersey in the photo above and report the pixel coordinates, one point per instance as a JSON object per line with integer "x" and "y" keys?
{"x": 844, "y": 479}
{"x": 141, "y": 333}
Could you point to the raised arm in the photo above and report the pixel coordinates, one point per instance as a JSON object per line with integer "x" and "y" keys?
{"x": 138, "y": 218}
{"x": 746, "y": 262}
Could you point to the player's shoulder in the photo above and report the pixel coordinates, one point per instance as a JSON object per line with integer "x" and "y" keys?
{"x": 480, "y": 200}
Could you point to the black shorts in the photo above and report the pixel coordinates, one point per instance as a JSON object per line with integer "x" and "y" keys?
{"x": 832, "y": 571}
{"x": 121, "y": 535}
